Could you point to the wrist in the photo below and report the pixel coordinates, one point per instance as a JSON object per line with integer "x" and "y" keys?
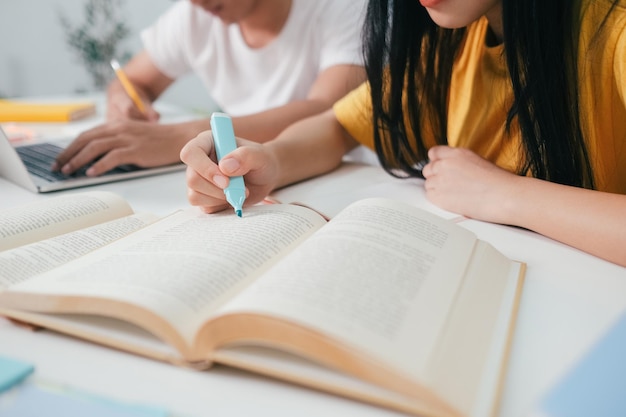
{"x": 274, "y": 151}
{"x": 520, "y": 204}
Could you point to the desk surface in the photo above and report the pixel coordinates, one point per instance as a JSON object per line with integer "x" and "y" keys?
{"x": 569, "y": 299}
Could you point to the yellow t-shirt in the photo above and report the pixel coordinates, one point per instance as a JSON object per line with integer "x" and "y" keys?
{"x": 481, "y": 95}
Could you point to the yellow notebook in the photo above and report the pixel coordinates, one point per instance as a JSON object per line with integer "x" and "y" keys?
{"x": 18, "y": 111}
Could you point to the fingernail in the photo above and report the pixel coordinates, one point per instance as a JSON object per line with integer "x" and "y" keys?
{"x": 221, "y": 181}
{"x": 229, "y": 165}
{"x": 65, "y": 169}
{"x": 91, "y": 172}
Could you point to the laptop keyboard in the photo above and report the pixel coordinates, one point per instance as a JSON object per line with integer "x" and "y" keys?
{"x": 38, "y": 159}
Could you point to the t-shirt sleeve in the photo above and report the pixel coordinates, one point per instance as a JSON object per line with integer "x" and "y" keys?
{"x": 341, "y": 36}
{"x": 164, "y": 40}
{"x": 354, "y": 113}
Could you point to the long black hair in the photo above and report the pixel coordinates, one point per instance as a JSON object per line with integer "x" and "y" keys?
{"x": 405, "y": 51}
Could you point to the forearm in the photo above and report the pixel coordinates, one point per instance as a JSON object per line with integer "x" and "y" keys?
{"x": 311, "y": 147}
{"x": 592, "y": 221}
{"x": 116, "y": 89}
{"x": 331, "y": 85}
{"x": 181, "y": 133}
{"x": 267, "y": 125}
{"x": 193, "y": 127}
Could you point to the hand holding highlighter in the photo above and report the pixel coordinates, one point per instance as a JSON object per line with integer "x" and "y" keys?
{"x": 224, "y": 142}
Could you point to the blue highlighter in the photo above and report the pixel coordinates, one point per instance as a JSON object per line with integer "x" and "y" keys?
{"x": 224, "y": 140}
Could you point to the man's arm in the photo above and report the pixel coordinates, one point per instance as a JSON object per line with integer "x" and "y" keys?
{"x": 149, "y": 82}
{"x": 149, "y": 144}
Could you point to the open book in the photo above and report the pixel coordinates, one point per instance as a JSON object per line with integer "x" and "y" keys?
{"x": 43, "y": 235}
{"x": 385, "y": 303}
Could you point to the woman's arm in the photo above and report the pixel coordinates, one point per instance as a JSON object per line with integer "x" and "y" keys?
{"x": 307, "y": 148}
{"x": 330, "y": 85}
{"x": 595, "y": 222}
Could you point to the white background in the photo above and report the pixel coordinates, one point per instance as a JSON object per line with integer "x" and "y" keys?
{"x": 36, "y": 61}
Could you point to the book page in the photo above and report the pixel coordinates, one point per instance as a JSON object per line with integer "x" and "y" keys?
{"x": 467, "y": 365}
{"x": 51, "y": 217}
{"x": 107, "y": 331}
{"x": 182, "y": 267}
{"x": 330, "y": 193}
{"x": 23, "y": 262}
{"x": 381, "y": 276}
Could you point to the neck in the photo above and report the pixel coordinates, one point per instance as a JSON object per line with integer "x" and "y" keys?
{"x": 494, "y": 16}
{"x": 265, "y": 22}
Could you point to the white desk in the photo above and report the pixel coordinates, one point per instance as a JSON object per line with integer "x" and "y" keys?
{"x": 569, "y": 299}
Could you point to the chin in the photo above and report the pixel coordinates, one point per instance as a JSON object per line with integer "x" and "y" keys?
{"x": 448, "y": 21}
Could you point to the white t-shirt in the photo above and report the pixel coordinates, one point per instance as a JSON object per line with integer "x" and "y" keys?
{"x": 317, "y": 35}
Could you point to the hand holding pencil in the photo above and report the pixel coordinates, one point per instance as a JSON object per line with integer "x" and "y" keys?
{"x": 131, "y": 92}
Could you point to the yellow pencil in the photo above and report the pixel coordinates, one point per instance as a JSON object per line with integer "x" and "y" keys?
{"x": 128, "y": 86}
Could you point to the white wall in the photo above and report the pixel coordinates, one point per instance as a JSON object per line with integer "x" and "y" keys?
{"x": 36, "y": 61}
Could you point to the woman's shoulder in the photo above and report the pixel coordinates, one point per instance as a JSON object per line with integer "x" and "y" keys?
{"x": 603, "y": 10}
{"x": 621, "y": 4}
{"x": 603, "y": 21}
{"x": 605, "y": 3}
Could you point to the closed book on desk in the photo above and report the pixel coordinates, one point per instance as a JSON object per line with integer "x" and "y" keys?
{"x": 595, "y": 385}
{"x": 18, "y": 111}
{"x": 384, "y": 303}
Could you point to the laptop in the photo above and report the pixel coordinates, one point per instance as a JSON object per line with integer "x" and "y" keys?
{"x": 29, "y": 167}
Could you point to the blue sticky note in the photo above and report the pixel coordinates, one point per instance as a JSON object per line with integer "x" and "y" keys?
{"x": 596, "y": 385}
{"x": 12, "y": 372}
{"x": 36, "y": 400}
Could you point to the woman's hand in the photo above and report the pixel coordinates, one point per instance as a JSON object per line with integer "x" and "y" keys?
{"x": 206, "y": 179}
{"x": 460, "y": 181}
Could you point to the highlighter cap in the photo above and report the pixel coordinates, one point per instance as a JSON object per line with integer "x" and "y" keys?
{"x": 223, "y": 134}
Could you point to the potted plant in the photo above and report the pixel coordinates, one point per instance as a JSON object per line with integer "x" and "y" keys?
{"x": 98, "y": 38}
